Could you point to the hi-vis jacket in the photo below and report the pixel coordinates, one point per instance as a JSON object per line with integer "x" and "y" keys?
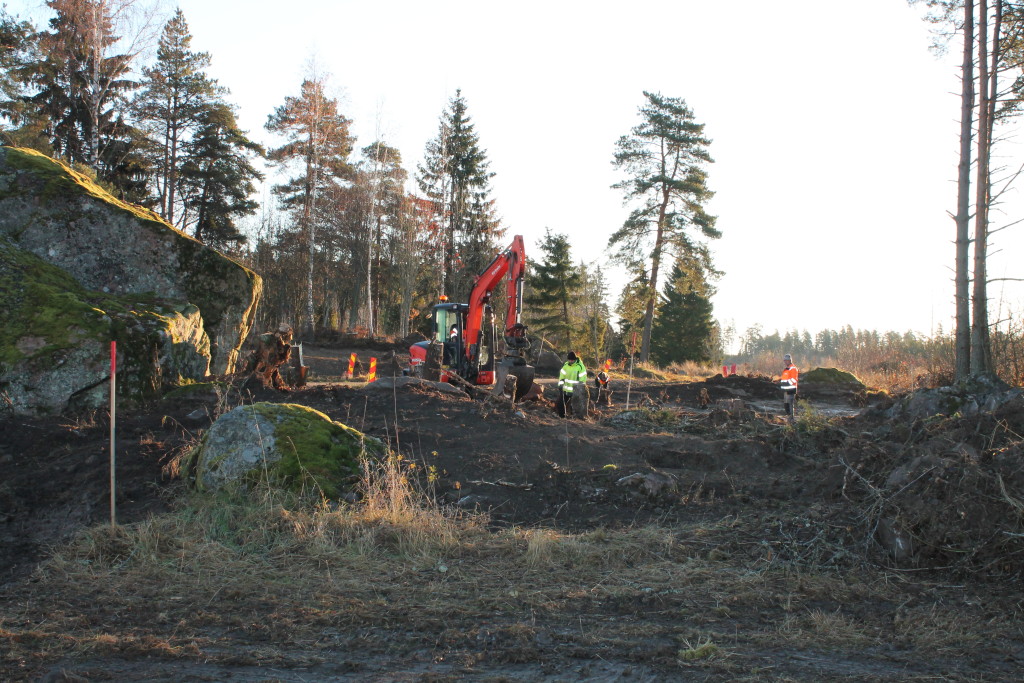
{"x": 572, "y": 374}
{"x": 789, "y": 378}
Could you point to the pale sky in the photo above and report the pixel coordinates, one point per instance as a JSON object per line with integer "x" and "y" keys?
{"x": 834, "y": 128}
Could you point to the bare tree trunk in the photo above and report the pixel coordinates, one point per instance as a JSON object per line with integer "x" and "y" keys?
{"x": 981, "y": 345}
{"x": 963, "y": 202}
{"x": 980, "y": 356}
{"x": 652, "y": 295}
{"x": 172, "y": 168}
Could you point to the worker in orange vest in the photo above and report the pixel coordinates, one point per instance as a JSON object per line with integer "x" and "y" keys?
{"x": 788, "y": 386}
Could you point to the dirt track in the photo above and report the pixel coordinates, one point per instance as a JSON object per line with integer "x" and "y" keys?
{"x": 762, "y": 550}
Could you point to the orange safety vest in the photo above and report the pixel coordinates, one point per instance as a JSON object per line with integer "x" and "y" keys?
{"x": 789, "y": 378}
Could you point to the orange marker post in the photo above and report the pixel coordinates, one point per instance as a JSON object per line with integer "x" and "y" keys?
{"x": 351, "y": 365}
{"x": 372, "y": 376}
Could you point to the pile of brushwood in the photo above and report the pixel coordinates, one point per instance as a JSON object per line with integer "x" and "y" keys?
{"x": 939, "y": 482}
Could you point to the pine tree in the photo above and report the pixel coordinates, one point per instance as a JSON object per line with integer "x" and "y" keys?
{"x": 555, "y": 283}
{"x": 456, "y": 179}
{"x": 685, "y": 329}
{"x": 174, "y": 100}
{"x": 665, "y": 158}
{"x": 317, "y": 139}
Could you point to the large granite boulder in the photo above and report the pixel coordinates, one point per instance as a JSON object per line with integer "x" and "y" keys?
{"x": 286, "y": 444}
{"x": 55, "y": 345}
{"x": 112, "y": 247}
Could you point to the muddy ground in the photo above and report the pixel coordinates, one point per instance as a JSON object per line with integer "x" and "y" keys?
{"x": 789, "y": 516}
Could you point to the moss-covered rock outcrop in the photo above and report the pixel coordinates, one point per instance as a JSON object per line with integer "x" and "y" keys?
{"x": 286, "y": 444}
{"x": 54, "y": 349}
{"x": 113, "y": 248}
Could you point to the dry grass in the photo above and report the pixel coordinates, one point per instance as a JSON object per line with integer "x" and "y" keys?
{"x": 270, "y": 578}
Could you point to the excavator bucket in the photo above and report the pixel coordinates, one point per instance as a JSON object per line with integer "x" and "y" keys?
{"x": 524, "y": 375}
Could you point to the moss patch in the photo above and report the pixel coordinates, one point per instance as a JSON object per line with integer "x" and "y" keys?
{"x": 45, "y": 309}
{"x": 59, "y": 180}
{"x": 830, "y": 376}
{"x": 315, "y": 449}
{"x": 48, "y": 315}
{"x": 189, "y": 389}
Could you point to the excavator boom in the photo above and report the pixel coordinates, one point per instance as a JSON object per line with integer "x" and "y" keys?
{"x": 511, "y": 263}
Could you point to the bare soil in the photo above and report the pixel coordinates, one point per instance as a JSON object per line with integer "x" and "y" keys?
{"x": 778, "y": 560}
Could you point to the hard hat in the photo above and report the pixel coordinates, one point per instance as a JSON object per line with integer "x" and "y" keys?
{"x": 788, "y": 358}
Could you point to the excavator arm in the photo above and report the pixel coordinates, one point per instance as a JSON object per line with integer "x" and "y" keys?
{"x": 510, "y": 263}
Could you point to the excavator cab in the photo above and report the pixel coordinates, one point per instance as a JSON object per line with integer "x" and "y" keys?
{"x": 448, "y": 326}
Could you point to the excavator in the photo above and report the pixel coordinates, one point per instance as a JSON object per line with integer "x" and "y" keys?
{"x": 464, "y": 334}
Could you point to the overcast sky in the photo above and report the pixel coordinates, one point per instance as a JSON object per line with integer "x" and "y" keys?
{"x": 833, "y": 127}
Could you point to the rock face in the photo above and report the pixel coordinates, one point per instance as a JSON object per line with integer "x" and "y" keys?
{"x": 79, "y": 269}
{"x": 117, "y": 248}
{"x": 287, "y": 444}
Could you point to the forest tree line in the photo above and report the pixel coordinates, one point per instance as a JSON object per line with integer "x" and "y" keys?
{"x": 345, "y": 246}
{"x": 353, "y": 240}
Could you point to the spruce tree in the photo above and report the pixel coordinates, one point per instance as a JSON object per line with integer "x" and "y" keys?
{"x": 456, "y": 180}
{"x": 555, "y": 284}
{"x": 20, "y": 125}
{"x": 631, "y": 306}
{"x": 685, "y": 329}
{"x": 596, "y": 333}
{"x": 217, "y": 177}
{"x": 81, "y": 88}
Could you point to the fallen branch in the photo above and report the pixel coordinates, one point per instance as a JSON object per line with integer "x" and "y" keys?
{"x": 487, "y": 394}
{"x": 1014, "y": 503}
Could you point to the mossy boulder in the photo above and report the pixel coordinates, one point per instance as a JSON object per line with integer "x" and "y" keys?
{"x": 114, "y": 248}
{"x": 290, "y": 445}
{"x": 55, "y": 346}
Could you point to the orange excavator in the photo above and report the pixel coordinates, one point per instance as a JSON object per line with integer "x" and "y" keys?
{"x": 467, "y": 332}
